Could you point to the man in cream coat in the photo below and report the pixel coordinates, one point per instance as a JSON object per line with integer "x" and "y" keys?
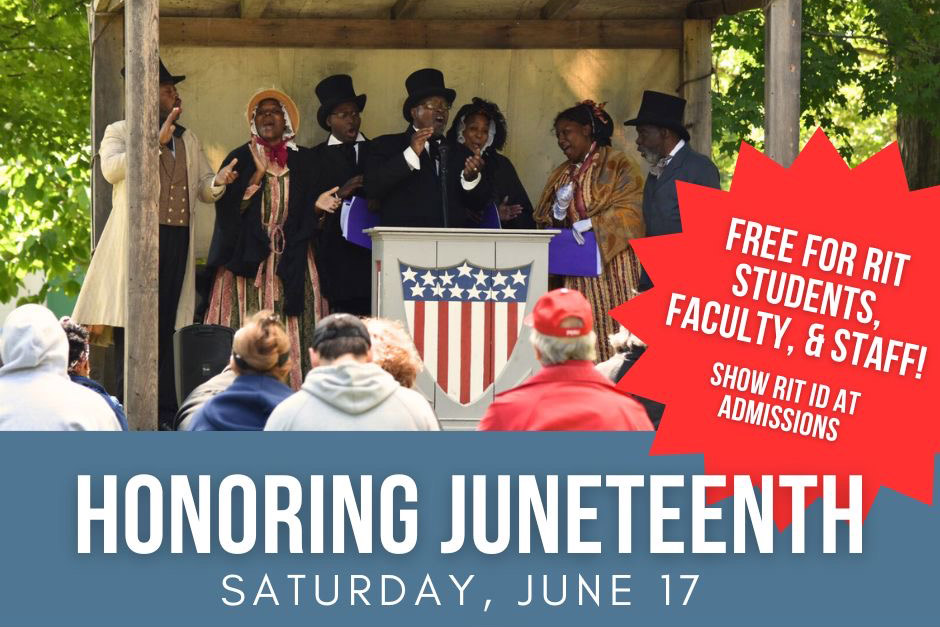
{"x": 185, "y": 178}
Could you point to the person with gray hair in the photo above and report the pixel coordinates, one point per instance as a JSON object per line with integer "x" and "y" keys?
{"x": 568, "y": 394}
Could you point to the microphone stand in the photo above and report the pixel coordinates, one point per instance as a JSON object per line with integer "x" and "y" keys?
{"x": 442, "y": 150}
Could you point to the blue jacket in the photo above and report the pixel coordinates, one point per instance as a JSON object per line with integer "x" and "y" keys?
{"x": 243, "y": 406}
{"x": 94, "y": 386}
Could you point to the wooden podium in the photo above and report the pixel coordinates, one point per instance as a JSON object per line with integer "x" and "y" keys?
{"x": 462, "y": 294}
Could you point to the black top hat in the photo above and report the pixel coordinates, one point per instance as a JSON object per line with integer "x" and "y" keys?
{"x": 165, "y": 76}
{"x": 333, "y": 91}
{"x": 423, "y": 84}
{"x": 661, "y": 110}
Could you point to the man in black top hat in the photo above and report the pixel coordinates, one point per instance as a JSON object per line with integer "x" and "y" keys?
{"x": 663, "y": 141}
{"x": 185, "y": 178}
{"x": 344, "y": 267}
{"x": 417, "y": 181}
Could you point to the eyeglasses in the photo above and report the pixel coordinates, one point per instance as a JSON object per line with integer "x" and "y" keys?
{"x": 440, "y": 109}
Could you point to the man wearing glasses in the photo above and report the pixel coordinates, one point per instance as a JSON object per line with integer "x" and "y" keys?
{"x": 417, "y": 181}
{"x": 344, "y": 267}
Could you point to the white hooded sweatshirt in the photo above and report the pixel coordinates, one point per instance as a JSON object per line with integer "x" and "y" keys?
{"x": 35, "y": 391}
{"x": 352, "y": 396}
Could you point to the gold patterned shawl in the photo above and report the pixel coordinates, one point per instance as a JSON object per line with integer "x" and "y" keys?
{"x": 612, "y": 191}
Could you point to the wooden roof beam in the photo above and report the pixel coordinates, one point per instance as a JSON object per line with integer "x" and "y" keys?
{"x": 252, "y": 8}
{"x": 409, "y": 34}
{"x": 557, "y": 9}
{"x": 710, "y": 9}
{"x": 405, "y": 9}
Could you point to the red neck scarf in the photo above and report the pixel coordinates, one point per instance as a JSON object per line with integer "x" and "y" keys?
{"x": 276, "y": 152}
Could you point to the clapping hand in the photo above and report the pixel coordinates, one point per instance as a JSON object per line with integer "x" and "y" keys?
{"x": 261, "y": 161}
{"x": 166, "y": 131}
{"x": 420, "y": 138}
{"x": 350, "y": 186}
{"x": 508, "y": 212}
{"x": 473, "y": 165}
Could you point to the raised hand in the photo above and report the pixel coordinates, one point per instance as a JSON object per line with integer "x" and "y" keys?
{"x": 508, "y": 212}
{"x": 261, "y": 161}
{"x": 473, "y": 165}
{"x": 350, "y": 186}
{"x": 166, "y": 131}
{"x": 227, "y": 174}
{"x": 420, "y": 137}
{"x": 328, "y": 201}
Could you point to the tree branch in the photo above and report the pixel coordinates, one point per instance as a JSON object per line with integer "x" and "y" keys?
{"x": 847, "y": 36}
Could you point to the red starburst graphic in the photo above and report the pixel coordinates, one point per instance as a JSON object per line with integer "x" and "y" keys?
{"x": 848, "y": 257}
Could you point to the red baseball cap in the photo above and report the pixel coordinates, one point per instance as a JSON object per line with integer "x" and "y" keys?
{"x": 553, "y": 307}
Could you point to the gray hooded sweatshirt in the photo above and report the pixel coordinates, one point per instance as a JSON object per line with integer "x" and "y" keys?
{"x": 35, "y": 391}
{"x": 352, "y": 396}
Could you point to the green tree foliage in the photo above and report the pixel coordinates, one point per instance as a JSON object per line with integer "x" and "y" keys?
{"x": 44, "y": 144}
{"x": 863, "y": 62}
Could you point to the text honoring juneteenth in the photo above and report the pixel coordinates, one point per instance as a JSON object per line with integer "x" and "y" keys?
{"x": 337, "y": 514}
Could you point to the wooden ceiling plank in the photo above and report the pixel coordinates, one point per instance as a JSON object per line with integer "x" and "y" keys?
{"x": 404, "y": 9}
{"x": 709, "y": 9}
{"x": 557, "y": 9}
{"x": 249, "y": 9}
{"x": 449, "y": 34}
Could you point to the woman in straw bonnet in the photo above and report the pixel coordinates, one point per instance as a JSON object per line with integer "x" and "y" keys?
{"x": 264, "y": 227}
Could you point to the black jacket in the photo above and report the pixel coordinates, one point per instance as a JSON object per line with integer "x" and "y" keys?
{"x": 499, "y": 181}
{"x": 345, "y": 269}
{"x": 240, "y": 242}
{"x": 415, "y": 197}
{"x": 660, "y": 199}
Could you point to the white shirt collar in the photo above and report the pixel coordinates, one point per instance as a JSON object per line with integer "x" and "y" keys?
{"x": 678, "y": 147}
{"x": 332, "y": 141}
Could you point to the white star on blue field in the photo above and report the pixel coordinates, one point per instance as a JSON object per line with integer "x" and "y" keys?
{"x": 465, "y": 282}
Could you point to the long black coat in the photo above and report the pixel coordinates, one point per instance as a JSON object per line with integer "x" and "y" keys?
{"x": 239, "y": 240}
{"x": 414, "y": 197}
{"x": 499, "y": 181}
{"x": 345, "y": 269}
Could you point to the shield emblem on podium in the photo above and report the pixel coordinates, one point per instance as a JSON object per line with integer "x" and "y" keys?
{"x": 465, "y": 320}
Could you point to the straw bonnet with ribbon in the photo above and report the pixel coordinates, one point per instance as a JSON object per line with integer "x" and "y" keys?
{"x": 291, "y": 122}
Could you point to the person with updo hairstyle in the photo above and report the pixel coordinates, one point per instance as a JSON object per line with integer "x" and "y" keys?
{"x": 262, "y": 364}
{"x": 480, "y": 128}
{"x": 601, "y": 189}
{"x": 393, "y": 350}
{"x": 79, "y": 368}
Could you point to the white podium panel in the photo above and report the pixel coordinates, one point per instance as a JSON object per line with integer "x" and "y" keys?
{"x": 462, "y": 294}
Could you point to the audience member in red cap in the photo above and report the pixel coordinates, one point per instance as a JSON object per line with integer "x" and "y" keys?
{"x": 568, "y": 394}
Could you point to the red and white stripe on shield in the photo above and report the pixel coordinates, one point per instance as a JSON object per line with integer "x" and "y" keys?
{"x": 464, "y": 345}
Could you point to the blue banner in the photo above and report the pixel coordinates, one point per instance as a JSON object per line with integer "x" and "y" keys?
{"x": 208, "y": 557}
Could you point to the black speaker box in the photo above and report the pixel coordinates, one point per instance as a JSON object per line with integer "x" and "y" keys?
{"x": 201, "y": 351}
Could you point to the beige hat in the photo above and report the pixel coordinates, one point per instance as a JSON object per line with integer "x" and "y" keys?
{"x": 281, "y": 97}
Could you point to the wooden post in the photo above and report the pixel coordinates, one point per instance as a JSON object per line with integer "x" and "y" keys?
{"x": 107, "y": 105}
{"x": 141, "y": 24}
{"x": 697, "y": 82}
{"x": 782, "y": 80}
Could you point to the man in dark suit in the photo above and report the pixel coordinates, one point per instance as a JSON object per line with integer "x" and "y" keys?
{"x": 663, "y": 141}
{"x": 344, "y": 267}
{"x": 416, "y": 180}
